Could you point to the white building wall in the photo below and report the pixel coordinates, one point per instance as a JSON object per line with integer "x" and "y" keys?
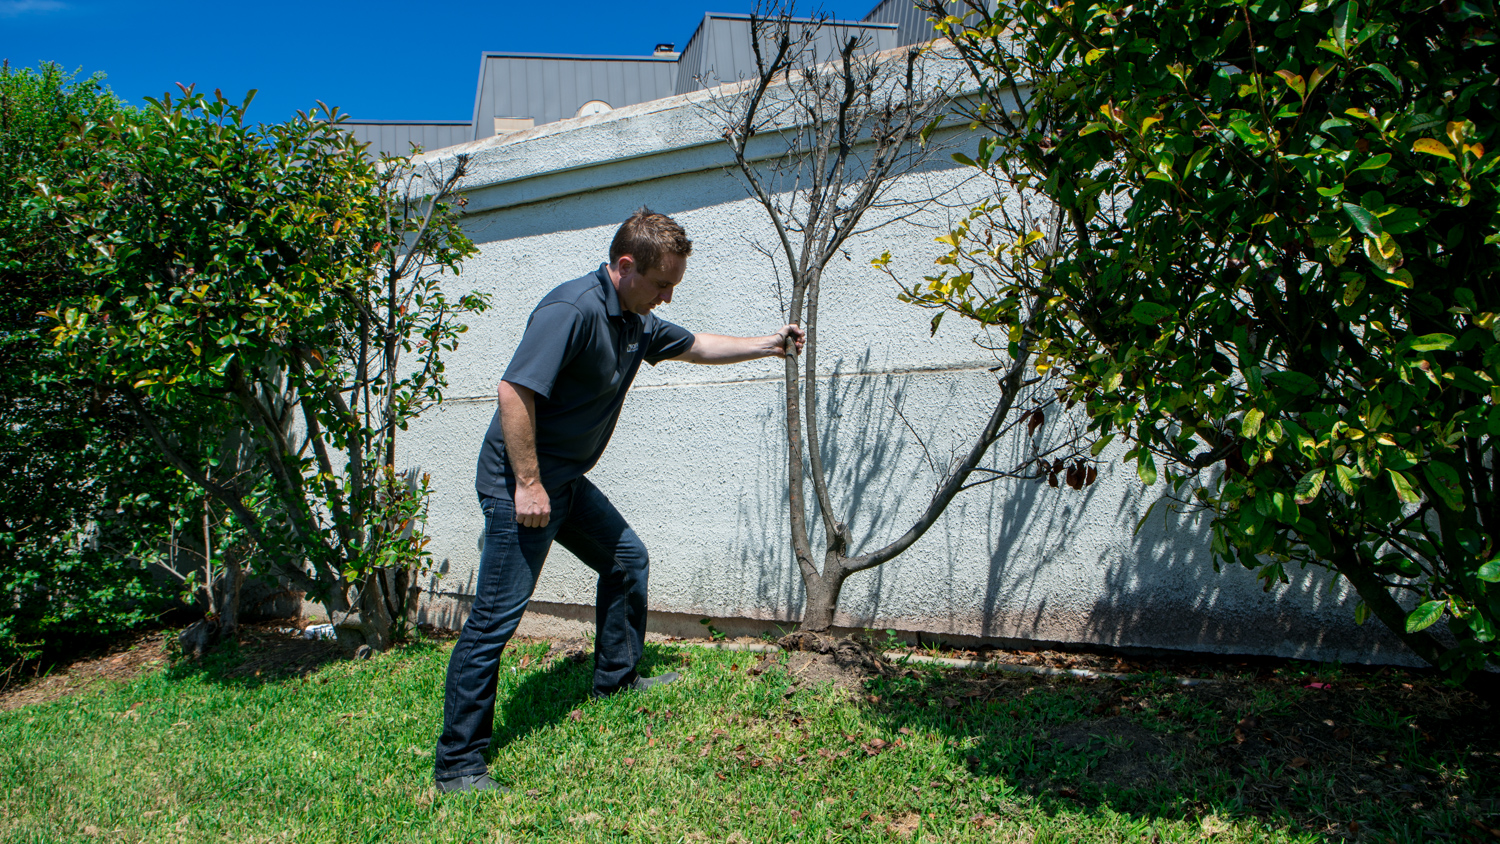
{"x": 697, "y": 463}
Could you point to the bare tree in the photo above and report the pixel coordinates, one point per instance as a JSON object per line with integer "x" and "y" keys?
{"x": 845, "y": 125}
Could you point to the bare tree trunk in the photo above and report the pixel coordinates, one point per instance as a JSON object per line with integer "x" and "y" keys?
{"x": 823, "y": 594}
{"x": 210, "y": 605}
{"x": 231, "y": 583}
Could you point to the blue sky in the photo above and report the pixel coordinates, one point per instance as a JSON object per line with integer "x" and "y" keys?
{"x": 374, "y": 59}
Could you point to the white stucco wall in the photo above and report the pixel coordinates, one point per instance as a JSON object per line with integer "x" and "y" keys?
{"x": 697, "y": 463}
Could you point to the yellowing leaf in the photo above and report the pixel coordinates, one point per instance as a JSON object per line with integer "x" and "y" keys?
{"x": 1425, "y": 616}
{"x": 1250, "y": 425}
{"x": 1355, "y": 287}
{"x": 1295, "y": 82}
{"x": 1433, "y": 146}
{"x": 1456, "y": 130}
{"x": 1403, "y": 486}
{"x": 1149, "y": 122}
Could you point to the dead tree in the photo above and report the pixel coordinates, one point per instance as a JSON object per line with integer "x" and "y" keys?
{"x": 821, "y": 135}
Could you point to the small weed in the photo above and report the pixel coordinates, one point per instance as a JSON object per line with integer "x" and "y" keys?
{"x": 714, "y": 633}
{"x": 893, "y": 642}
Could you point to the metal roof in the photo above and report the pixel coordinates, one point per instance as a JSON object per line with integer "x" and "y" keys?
{"x": 396, "y": 137}
{"x": 720, "y": 49}
{"x": 913, "y": 25}
{"x": 545, "y": 88}
{"x": 518, "y": 90}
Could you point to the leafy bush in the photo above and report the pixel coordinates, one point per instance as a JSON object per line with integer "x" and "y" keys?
{"x": 82, "y": 502}
{"x": 1276, "y": 275}
{"x": 269, "y": 302}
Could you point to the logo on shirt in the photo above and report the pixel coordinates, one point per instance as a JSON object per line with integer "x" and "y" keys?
{"x": 632, "y": 347}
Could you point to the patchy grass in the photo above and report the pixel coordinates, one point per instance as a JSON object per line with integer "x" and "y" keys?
{"x": 212, "y": 751}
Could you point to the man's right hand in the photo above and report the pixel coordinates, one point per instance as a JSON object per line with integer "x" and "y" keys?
{"x": 533, "y": 507}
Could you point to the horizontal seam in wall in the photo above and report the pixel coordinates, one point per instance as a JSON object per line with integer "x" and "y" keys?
{"x": 915, "y": 370}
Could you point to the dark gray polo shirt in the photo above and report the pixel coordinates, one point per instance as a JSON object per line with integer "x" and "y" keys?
{"x": 579, "y": 354}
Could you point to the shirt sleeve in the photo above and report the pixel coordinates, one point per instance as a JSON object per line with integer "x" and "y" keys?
{"x": 668, "y": 340}
{"x": 554, "y": 334}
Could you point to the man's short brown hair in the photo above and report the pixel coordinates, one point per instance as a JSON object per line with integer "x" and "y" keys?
{"x": 646, "y": 237}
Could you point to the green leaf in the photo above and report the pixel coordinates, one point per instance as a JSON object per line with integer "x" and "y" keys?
{"x": 1468, "y": 379}
{"x": 1432, "y": 342}
{"x": 1247, "y": 134}
{"x": 1101, "y": 445}
{"x": 1150, "y": 313}
{"x": 1425, "y": 616}
{"x": 1145, "y": 466}
{"x": 1404, "y": 489}
{"x": 1489, "y": 572}
{"x": 1345, "y": 18}
{"x": 1445, "y": 482}
{"x": 1367, "y": 223}
{"x": 1293, "y": 382}
{"x": 1375, "y": 162}
{"x": 1385, "y": 73}
{"x": 1362, "y": 613}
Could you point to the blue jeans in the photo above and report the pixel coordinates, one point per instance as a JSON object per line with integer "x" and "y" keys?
{"x": 584, "y": 522}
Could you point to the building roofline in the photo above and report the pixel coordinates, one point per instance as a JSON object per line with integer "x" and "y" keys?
{"x": 574, "y": 57}
{"x": 741, "y": 16}
{"x": 369, "y": 121}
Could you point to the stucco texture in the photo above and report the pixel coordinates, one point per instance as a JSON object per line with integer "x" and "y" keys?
{"x": 697, "y": 463}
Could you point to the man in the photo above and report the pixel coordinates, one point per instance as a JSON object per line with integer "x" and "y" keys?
{"x": 559, "y": 400}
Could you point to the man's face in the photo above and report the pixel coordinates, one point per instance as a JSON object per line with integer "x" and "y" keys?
{"x": 640, "y": 292}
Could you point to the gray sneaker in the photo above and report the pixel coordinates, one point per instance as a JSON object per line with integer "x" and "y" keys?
{"x": 473, "y": 782}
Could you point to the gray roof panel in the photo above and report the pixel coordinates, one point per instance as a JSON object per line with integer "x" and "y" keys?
{"x": 548, "y": 88}
{"x": 913, "y": 27}
{"x": 395, "y": 137}
{"x": 720, "y": 49}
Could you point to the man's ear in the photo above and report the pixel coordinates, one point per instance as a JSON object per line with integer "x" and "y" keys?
{"x": 625, "y": 264}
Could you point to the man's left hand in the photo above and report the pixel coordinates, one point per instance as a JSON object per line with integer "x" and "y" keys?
{"x": 793, "y": 331}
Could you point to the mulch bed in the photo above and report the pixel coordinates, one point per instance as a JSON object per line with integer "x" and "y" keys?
{"x": 123, "y": 660}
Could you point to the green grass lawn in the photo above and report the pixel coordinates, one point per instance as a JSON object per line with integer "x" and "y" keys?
{"x": 200, "y": 752}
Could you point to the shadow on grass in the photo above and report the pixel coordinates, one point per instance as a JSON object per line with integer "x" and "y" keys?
{"x": 1329, "y": 756}
{"x": 545, "y": 697}
{"x": 266, "y": 654}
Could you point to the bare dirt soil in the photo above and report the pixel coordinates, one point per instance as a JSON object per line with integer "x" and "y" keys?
{"x": 846, "y": 663}
{"x": 125, "y": 659}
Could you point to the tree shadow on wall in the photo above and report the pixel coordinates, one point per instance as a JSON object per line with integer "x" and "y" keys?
{"x": 864, "y": 446}
{"x": 1069, "y": 565}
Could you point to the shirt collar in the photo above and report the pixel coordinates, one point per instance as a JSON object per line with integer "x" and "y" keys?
{"x": 611, "y": 295}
